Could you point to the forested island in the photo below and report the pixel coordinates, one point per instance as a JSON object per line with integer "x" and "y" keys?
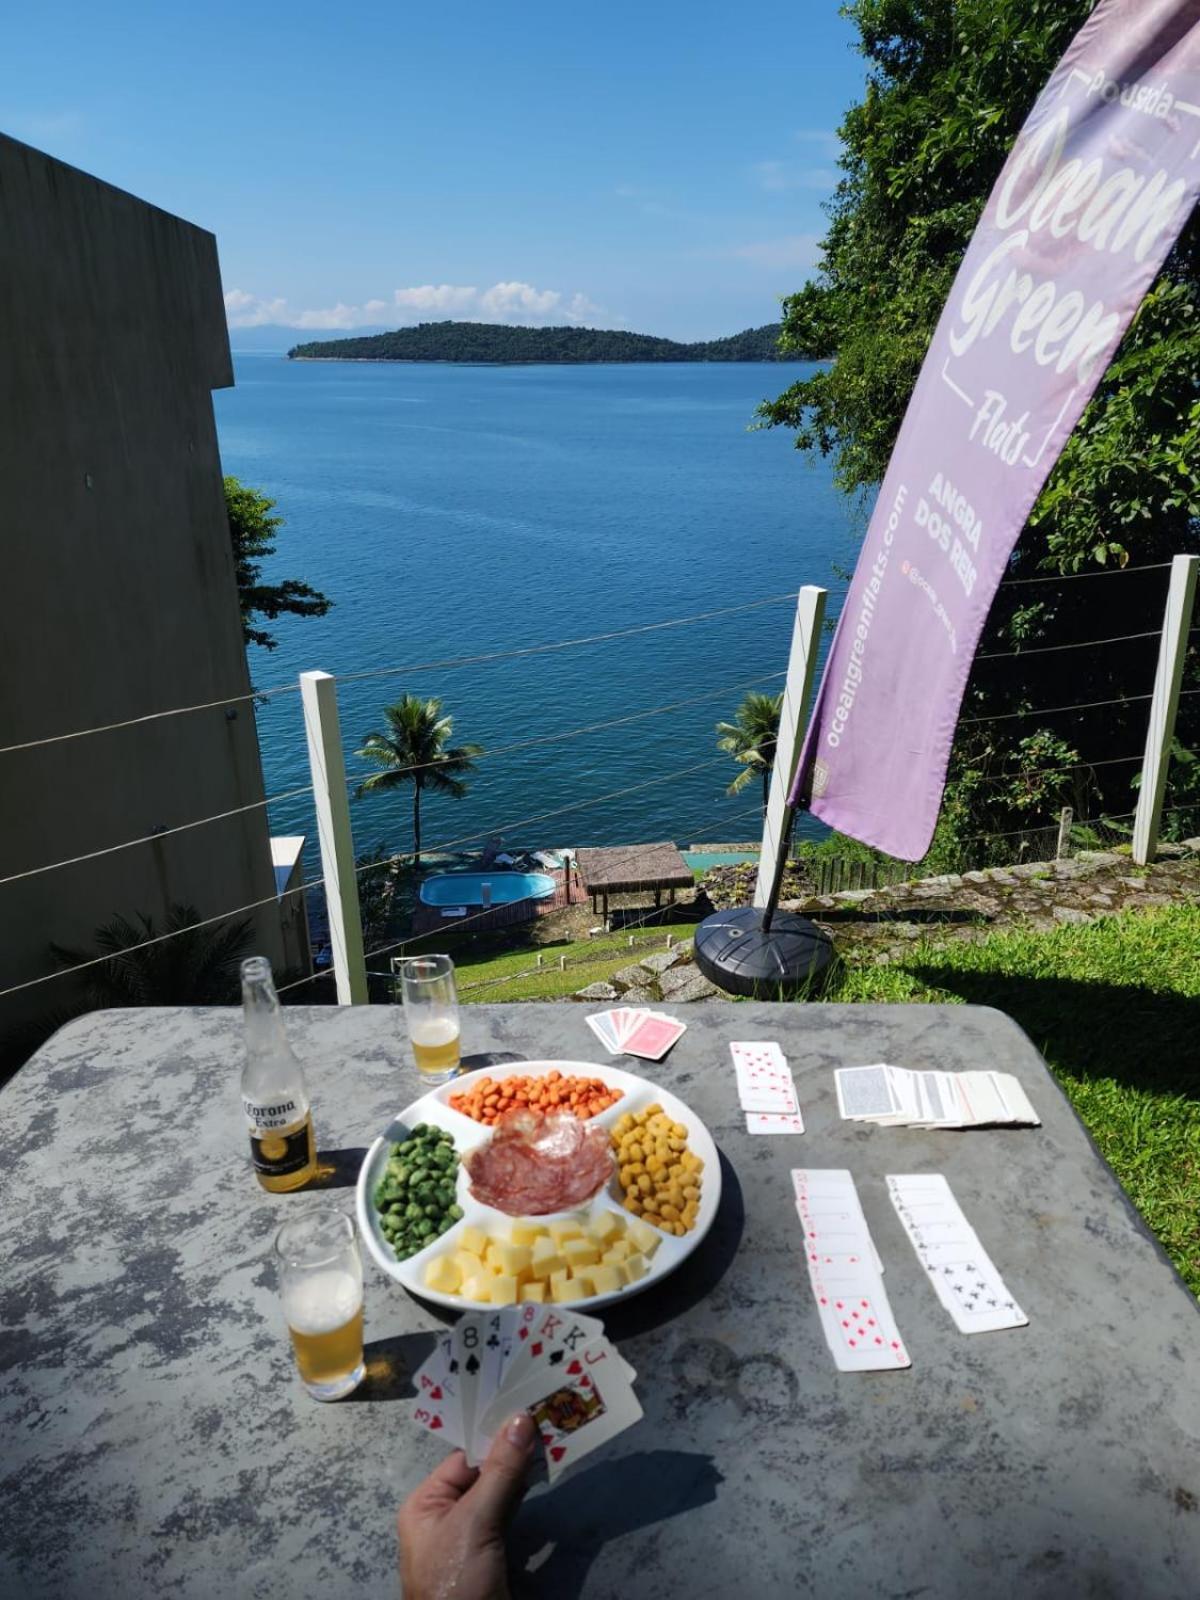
{"x": 485, "y": 342}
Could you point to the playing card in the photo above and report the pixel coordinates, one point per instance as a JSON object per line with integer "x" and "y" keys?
{"x": 602, "y": 1026}
{"x": 575, "y": 1408}
{"x": 547, "y": 1334}
{"x": 1016, "y": 1102}
{"x": 496, "y": 1339}
{"x": 972, "y": 1291}
{"x": 774, "y": 1122}
{"x": 653, "y": 1037}
{"x": 467, "y": 1345}
{"x": 865, "y": 1092}
{"x": 436, "y": 1406}
{"x": 858, "y": 1325}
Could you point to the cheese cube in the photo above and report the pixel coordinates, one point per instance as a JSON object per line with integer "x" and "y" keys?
{"x": 634, "y": 1268}
{"x": 468, "y": 1264}
{"x": 571, "y": 1228}
{"x": 526, "y": 1232}
{"x": 605, "y": 1280}
{"x": 512, "y": 1257}
{"x": 557, "y": 1279}
{"x": 580, "y": 1253}
{"x": 490, "y": 1251}
{"x": 524, "y": 1278}
{"x": 563, "y": 1287}
{"x": 644, "y": 1237}
{"x": 581, "y": 1282}
{"x": 478, "y": 1288}
{"x": 443, "y": 1274}
{"x": 474, "y": 1240}
{"x": 533, "y": 1292}
{"x": 504, "y": 1290}
{"x": 616, "y": 1252}
{"x": 547, "y": 1258}
{"x": 607, "y": 1226}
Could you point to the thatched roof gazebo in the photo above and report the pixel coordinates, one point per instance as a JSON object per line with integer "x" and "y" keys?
{"x": 632, "y": 869}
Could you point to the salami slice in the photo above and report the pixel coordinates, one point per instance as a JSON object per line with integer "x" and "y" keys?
{"x": 535, "y": 1164}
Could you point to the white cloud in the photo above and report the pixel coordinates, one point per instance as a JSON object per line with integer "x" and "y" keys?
{"x": 797, "y": 250}
{"x": 778, "y": 176}
{"x": 507, "y": 302}
{"x": 826, "y": 140}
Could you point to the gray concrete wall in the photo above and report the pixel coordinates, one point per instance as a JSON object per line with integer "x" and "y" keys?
{"x": 117, "y": 589}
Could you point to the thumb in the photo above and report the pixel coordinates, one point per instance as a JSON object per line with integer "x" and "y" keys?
{"x": 496, "y": 1492}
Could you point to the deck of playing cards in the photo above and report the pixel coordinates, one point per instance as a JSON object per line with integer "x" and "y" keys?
{"x": 766, "y": 1091}
{"x": 895, "y": 1097}
{"x": 947, "y": 1246}
{"x": 846, "y": 1274}
{"x": 632, "y": 1031}
{"x": 553, "y": 1363}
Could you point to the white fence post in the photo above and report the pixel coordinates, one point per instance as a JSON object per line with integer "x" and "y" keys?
{"x": 318, "y": 690}
{"x": 793, "y": 717}
{"x": 1177, "y": 619}
{"x": 1065, "y": 818}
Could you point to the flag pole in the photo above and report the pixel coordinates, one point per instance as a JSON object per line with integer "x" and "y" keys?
{"x": 755, "y": 949}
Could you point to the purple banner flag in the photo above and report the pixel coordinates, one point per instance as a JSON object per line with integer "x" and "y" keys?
{"x": 1103, "y": 176}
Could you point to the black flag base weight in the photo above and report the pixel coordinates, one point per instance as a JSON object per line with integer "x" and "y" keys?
{"x": 791, "y": 957}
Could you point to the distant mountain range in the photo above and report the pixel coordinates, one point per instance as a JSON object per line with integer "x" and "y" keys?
{"x": 490, "y": 342}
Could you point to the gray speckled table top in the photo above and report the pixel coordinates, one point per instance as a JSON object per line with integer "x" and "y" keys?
{"x": 157, "y": 1441}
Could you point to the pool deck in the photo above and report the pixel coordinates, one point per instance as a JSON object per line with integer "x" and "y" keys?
{"x": 430, "y": 919}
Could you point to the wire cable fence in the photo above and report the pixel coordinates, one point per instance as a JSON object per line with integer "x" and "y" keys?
{"x": 609, "y": 798}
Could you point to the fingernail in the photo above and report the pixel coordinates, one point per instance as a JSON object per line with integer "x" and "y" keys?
{"x": 519, "y": 1429}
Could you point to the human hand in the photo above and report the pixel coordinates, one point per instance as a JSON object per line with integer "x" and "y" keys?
{"x": 452, "y": 1526}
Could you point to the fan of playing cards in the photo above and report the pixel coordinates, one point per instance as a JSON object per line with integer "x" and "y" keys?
{"x": 631, "y": 1031}
{"x": 895, "y": 1097}
{"x": 556, "y": 1365}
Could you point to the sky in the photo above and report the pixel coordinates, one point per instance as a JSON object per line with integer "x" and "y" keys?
{"x": 658, "y": 166}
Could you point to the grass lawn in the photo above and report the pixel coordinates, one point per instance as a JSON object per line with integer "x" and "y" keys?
{"x": 1113, "y": 1005}
{"x": 512, "y": 975}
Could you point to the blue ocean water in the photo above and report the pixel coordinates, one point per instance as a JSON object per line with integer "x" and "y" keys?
{"x": 455, "y": 511}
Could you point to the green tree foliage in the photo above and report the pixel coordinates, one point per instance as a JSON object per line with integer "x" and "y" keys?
{"x": 416, "y": 749}
{"x": 252, "y": 529}
{"x": 751, "y": 738}
{"x": 949, "y": 84}
{"x": 492, "y": 342}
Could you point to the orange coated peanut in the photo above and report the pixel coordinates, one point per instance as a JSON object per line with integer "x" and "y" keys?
{"x": 487, "y": 1101}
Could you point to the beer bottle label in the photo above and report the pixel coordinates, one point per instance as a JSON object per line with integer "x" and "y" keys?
{"x": 280, "y": 1134}
{"x": 277, "y": 1154}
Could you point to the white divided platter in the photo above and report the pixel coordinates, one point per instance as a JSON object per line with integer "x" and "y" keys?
{"x": 432, "y": 1108}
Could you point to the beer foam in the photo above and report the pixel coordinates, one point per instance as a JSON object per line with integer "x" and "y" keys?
{"x": 431, "y": 1031}
{"x": 321, "y": 1301}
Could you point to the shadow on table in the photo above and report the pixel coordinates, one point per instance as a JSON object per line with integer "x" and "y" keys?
{"x": 574, "y": 1521}
{"x": 337, "y": 1169}
{"x": 695, "y": 1279}
{"x": 1093, "y": 1030}
{"x": 390, "y": 1366}
{"x": 490, "y": 1058}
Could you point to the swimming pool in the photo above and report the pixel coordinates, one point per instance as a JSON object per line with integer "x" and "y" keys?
{"x": 467, "y": 888}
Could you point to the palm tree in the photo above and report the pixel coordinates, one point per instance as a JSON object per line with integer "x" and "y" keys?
{"x": 196, "y": 966}
{"x": 414, "y": 751}
{"x": 750, "y": 738}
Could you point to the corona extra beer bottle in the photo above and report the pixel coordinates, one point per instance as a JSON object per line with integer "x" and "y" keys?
{"x": 274, "y": 1096}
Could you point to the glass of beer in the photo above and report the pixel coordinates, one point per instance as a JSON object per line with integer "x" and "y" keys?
{"x": 320, "y": 1281}
{"x": 430, "y": 999}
